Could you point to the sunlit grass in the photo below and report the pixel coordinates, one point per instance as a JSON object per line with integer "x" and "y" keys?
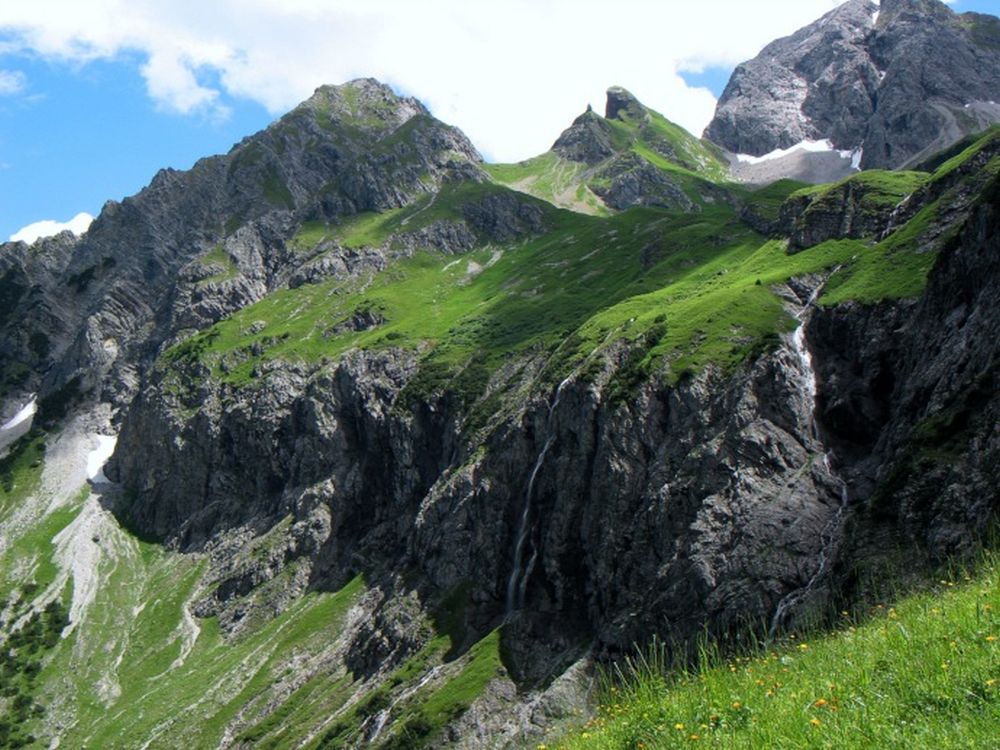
{"x": 923, "y": 672}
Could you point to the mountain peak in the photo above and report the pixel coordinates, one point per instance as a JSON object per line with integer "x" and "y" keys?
{"x": 588, "y": 140}
{"x": 892, "y": 8}
{"x": 623, "y": 102}
{"x": 364, "y": 102}
{"x": 891, "y": 82}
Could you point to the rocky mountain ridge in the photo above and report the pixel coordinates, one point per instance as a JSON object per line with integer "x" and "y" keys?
{"x": 632, "y": 156}
{"x": 894, "y": 82}
{"x": 200, "y": 226}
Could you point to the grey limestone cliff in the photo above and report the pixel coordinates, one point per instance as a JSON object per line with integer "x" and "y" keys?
{"x": 898, "y": 81}
{"x": 194, "y": 246}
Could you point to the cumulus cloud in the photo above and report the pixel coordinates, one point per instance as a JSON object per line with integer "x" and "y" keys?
{"x": 11, "y": 82}
{"x": 511, "y": 74}
{"x": 47, "y": 228}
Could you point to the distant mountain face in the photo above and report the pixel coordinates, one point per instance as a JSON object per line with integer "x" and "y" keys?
{"x": 900, "y": 81}
{"x": 633, "y": 156}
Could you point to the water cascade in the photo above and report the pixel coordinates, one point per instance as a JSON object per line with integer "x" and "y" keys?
{"x": 521, "y": 572}
{"x": 828, "y": 536}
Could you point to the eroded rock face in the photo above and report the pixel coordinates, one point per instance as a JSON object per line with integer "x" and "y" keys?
{"x": 697, "y": 505}
{"x": 588, "y": 139}
{"x": 632, "y": 518}
{"x": 900, "y": 82}
{"x": 913, "y": 388}
{"x": 105, "y": 303}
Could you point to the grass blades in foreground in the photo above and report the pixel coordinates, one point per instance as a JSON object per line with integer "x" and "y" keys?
{"x": 922, "y": 674}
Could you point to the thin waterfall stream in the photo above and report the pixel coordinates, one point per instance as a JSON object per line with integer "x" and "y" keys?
{"x": 517, "y": 584}
{"x": 828, "y": 536}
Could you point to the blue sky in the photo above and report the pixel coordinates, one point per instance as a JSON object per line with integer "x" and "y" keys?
{"x": 96, "y": 96}
{"x": 78, "y": 136}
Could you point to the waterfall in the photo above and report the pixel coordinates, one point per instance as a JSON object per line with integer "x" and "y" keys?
{"x": 891, "y": 225}
{"x": 380, "y": 719}
{"x": 521, "y": 572}
{"x": 828, "y": 536}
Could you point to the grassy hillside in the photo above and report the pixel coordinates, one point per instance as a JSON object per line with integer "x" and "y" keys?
{"x": 683, "y": 290}
{"x": 640, "y": 137}
{"x": 99, "y": 644}
{"x": 922, "y": 672}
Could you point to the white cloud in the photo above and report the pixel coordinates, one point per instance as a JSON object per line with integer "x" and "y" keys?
{"x": 11, "y": 82}
{"x": 511, "y": 74}
{"x": 47, "y": 228}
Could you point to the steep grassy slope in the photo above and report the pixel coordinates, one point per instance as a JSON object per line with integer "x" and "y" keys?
{"x": 687, "y": 289}
{"x": 115, "y": 656}
{"x": 632, "y": 144}
{"x": 922, "y": 672}
{"x": 552, "y": 178}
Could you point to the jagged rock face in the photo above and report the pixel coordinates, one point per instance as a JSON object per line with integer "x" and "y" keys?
{"x": 587, "y": 140}
{"x": 670, "y": 479}
{"x": 111, "y": 298}
{"x": 623, "y": 177}
{"x": 911, "y": 390}
{"x": 900, "y": 82}
{"x": 845, "y": 211}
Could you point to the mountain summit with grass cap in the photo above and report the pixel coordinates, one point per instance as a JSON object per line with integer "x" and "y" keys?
{"x": 888, "y": 84}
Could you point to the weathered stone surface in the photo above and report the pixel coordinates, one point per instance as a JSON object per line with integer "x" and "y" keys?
{"x": 901, "y": 88}
{"x": 108, "y": 301}
{"x": 587, "y": 140}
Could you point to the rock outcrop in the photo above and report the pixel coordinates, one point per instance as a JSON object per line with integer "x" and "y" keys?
{"x": 101, "y": 306}
{"x": 623, "y": 155}
{"x": 897, "y": 83}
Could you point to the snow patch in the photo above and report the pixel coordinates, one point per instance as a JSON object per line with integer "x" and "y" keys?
{"x": 98, "y": 457}
{"x": 27, "y": 412}
{"x": 823, "y": 146}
